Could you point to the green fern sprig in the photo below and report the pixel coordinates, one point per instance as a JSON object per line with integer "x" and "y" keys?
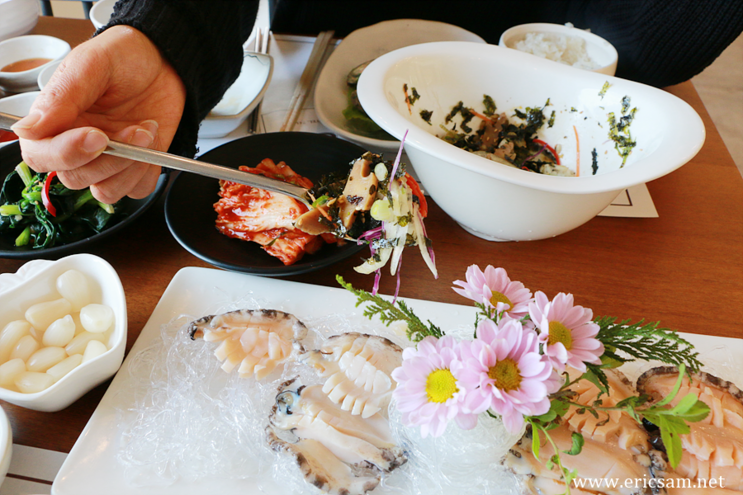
{"x": 647, "y": 342}
{"x": 389, "y": 313}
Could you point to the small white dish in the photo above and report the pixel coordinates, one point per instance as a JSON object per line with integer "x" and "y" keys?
{"x": 18, "y": 17}
{"x": 502, "y": 203}
{"x": 6, "y": 444}
{"x": 101, "y": 12}
{"x": 46, "y": 74}
{"x": 363, "y": 45}
{"x": 18, "y": 105}
{"x": 241, "y": 98}
{"x": 35, "y": 282}
{"x": 28, "y": 47}
{"x": 598, "y": 49}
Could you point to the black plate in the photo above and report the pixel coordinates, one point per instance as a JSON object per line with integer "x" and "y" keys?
{"x": 189, "y": 203}
{"x": 10, "y": 156}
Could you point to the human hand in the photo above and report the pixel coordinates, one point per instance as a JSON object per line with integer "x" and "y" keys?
{"x": 115, "y": 86}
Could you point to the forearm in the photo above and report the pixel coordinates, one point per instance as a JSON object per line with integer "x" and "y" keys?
{"x": 203, "y": 43}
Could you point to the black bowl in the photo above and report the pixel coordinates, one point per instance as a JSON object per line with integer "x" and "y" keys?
{"x": 189, "y": 203}
{"x": 130, "y": 209}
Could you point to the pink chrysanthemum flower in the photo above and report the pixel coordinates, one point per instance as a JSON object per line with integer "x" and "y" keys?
{"x": 567, "y": 331}
{"x": 494, "y": 289}
{"x": 428, "y": 391}
{"x": 504, "y": 371}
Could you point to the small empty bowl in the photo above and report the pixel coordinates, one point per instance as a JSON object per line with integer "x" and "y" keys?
{"x": 101, "y": 12}
{"x": 24, "y": 57}
{"x": 46, "y": 73}
{"x": 35, "y": 282}
{"x": 241, "y": 98}
{"x": 600, "y": 51}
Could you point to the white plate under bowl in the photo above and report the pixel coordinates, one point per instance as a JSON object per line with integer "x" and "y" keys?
{"x": 94, "y": 466}
{"x": 367, "y": 44}
{"x": 35, "y": 282}
{"x": 241, "y": 98}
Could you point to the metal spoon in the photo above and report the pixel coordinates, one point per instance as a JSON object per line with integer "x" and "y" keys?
{"x": 176, "y": 162}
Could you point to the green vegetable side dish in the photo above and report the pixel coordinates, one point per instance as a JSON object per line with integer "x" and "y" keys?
{"x": 38, "y": 211}
{"x": 356, "y": 118}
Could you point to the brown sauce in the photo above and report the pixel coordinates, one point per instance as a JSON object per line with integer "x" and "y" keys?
{"x": 26, "y": 64}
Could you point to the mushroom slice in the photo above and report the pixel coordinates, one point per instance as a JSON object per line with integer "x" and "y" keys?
{"x": 254, "y": 341}
{"x": 358, "y": 369}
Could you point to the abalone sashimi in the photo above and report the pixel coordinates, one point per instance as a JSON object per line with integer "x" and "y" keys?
{"x": 358, "y": 369}
{"x": 253, "y": 341}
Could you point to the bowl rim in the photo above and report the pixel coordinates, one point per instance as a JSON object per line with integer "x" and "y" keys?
{"x": 544, "y": 27}
{"x": 372, "y": 96}
{"x": 120, "y": 325}
{"x": 20, "y": 39}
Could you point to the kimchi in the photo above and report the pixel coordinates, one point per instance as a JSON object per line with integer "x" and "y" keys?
{"x": 264, "y": 217}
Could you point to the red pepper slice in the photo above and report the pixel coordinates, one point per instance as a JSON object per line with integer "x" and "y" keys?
{"x": 45, "y": 194}
{"x": 550, "y": 149}
{"x": 416, "y": 189}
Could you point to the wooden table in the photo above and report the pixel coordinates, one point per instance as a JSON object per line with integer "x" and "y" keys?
{"x": 684, "y": 269}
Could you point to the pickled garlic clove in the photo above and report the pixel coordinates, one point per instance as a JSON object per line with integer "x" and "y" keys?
{"x": 73, "y": 286}
{"x": 96, "y": 318}
{"x": 10, "y": 370}
{"x": 42, "y": 315}
{"x": 11, "y": 334}
{"x": 25, "y": 347}
{"x": 30, "y": 382}
{"x": 65, "y": 366}
{"x": 94, "y": 349}
{"x": 60, "y": 332}
{"x": 78, "y": 344}
{"x": 45, "y": 358}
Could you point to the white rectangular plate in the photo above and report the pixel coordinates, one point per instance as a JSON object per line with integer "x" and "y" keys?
{"x": 92, "y": 466}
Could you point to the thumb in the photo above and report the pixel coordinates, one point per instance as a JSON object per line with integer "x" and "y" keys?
{"x": 75, "y": 86}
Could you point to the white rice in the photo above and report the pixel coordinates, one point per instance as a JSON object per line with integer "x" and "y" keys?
{"x": 568, "y": 50}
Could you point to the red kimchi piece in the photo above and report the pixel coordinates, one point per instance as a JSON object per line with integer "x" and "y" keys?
{"x": 253, "y": 214}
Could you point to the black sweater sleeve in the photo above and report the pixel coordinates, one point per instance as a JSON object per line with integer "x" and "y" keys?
{"x": 202, "y": 40}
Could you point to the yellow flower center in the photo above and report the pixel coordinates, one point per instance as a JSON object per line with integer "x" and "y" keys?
{"x": 441, "y": 386}
{"x": 506, "y": 375}
{"x": 560, "y": 333}
{"x": 499, "y": 297}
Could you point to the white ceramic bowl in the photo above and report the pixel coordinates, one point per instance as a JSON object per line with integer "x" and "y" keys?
{"x": 35, "y": 282}
{"x": 17, "y": 105}
{"x": 362, "y": 45}
{"x": 599, "y": 50}
{"x": 241, "y": 98}
{"x": 101, "y": 12}
{"x": 499, "y": 202}
{"x": 18, "y": 17}
{"x": 26, "y": 47}
{"x": 46, "y": 73}
{"x": 6, "y": 444}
